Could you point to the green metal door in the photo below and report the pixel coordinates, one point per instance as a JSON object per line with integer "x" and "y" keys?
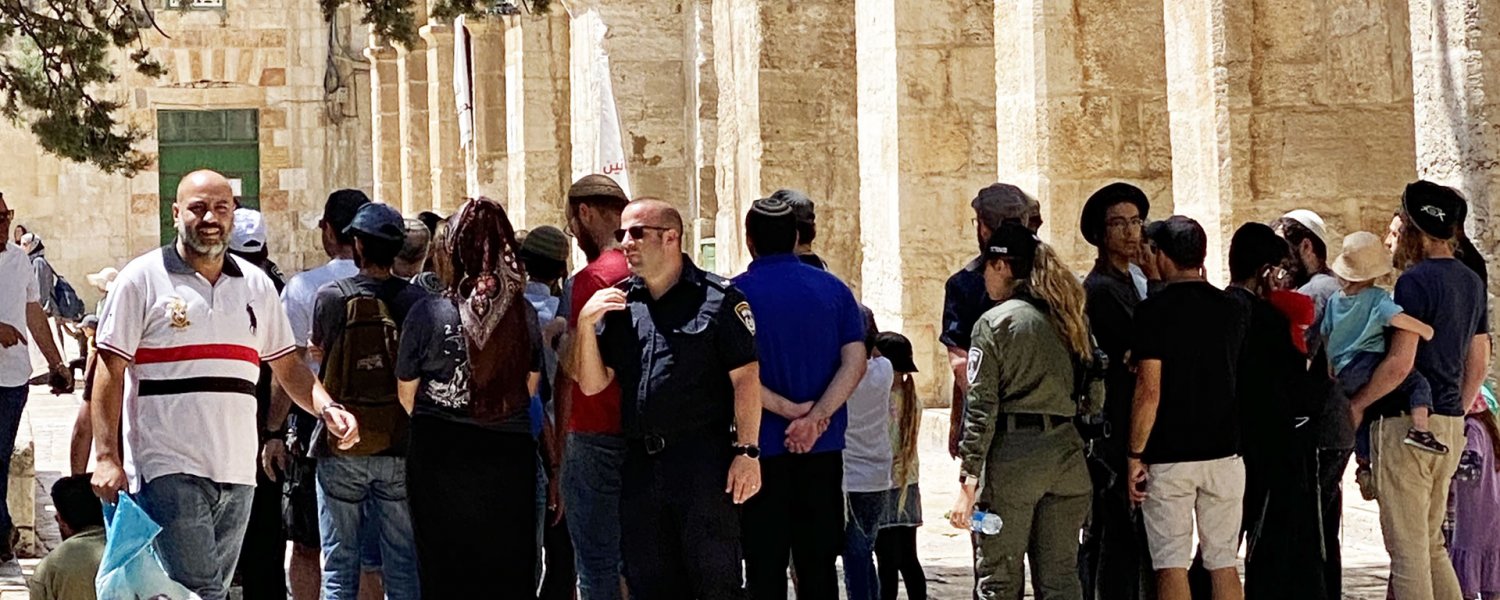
{"x": 226, "y": 141}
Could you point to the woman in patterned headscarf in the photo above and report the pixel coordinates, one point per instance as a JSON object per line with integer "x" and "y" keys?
{"x": 468, "y": 365}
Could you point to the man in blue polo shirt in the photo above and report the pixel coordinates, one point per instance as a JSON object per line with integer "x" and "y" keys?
{"x": 810, "y": 337}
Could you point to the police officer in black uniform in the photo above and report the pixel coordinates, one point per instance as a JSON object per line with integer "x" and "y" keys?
{"x": 681, "y": 342}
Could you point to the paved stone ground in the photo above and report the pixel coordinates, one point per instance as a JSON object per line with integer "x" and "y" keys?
{"x": 944, "y": 551}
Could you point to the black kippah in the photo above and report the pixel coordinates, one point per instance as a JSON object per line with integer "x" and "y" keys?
{"x": 771, "y": 207}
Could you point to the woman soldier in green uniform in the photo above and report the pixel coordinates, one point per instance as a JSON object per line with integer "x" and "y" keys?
{"x": 1023, "y": 458}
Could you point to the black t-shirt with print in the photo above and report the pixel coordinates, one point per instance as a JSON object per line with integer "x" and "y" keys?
{"x": 1197, "y": 332}
{"x": 435, "y": 351}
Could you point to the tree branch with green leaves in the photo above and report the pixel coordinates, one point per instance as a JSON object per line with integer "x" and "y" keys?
{"x": 56, "y": 62}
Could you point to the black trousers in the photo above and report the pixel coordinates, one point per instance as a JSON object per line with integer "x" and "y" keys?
{"x": 680, "y": 533}
{"x": 473, "y": 510}
{"x": 1331, "y": 465}
{"x": 798, "y": 516}
{"x": 896, "y": 557}
{"x": 1114, "y": 560}
{"x": 262, "y": 564}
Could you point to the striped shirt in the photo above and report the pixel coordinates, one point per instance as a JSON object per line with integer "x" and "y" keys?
{"x": 195, "y": 350}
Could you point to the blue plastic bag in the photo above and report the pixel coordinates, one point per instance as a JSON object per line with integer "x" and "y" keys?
{"x": 130, "y": 569}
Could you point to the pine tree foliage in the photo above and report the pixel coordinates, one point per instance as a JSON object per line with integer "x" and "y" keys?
{"x": 55, "y": 58}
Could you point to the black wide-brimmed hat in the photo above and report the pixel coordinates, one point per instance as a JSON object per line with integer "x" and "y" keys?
{"x": 1091, "y": 223}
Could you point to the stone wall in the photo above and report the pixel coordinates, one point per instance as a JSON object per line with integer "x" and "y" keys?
{"x": 1081, "y": 102}
{"x": 536, "y": 94}
{"x": 268, "y": 55}
{"x": 927, "y": 143}
{"x": 787, "y": 74}
{"x": 1456, "y": 74}
{"x": 1308, "y": 105}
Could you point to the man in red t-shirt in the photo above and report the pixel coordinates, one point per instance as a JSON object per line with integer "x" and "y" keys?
{"x": 588, "y": 427}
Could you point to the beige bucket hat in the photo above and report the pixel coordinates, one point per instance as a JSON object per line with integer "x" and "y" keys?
{"x": 104, "y": 280}
{"x": 1364, "y": 258}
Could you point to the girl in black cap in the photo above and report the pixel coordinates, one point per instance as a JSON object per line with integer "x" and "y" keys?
{"x": 896, "y": 546}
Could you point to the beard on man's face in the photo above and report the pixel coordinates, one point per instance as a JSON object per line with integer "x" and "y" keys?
{"x": 191, "y": 237}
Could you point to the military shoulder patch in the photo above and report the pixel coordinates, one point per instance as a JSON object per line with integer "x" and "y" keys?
{"x": 742, "y": 310}
{"x": 975, "y": 357}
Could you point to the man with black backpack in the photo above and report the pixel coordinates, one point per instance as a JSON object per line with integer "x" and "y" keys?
{"x": 59, "y": 299}
{"x": 356, "y": 323}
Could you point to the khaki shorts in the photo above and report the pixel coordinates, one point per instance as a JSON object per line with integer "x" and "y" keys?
{"x": 1214, "y": 491}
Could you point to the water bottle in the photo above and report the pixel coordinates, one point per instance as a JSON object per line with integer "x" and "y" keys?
{"x": 984, "y": 521}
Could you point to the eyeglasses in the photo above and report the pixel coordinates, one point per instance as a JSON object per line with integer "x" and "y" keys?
{"x": 637, "y": 232}
{"x": 1120, "y": 223}
{"x": 6, "y": 215}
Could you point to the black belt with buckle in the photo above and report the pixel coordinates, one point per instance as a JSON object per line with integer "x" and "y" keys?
{"x": 656, "y": 443}
{"x": 1034, "y": 421}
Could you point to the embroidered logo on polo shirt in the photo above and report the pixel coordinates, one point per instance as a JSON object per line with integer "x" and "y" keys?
{"x": 742, "y": 310}
{"x": 177, "y": 311}
{"x": 254, "y": 324}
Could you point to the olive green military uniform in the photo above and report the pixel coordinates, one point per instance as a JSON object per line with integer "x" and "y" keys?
{"x": 1020, "y": 442}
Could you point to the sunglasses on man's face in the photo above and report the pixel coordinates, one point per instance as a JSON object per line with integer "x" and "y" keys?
{"x": 637, "y": 232}
{"x": 6, "y": 215}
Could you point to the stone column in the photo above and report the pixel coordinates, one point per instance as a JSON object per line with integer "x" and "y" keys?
{"x": 416, "y": 152}
{"x": 1081, "y": 102}
{"x": 1455, "y": 47}
{"x": 926, "y": 145}
{"x": 446, "y": 159}
{"x": 786, "y": 120}
{"x": 385, "y": 111}
{"x": 536, "y": 93}
{"x": 1276, "y": 106}
{"x": 487, "y": 47}
{"x": 653, "y": 66}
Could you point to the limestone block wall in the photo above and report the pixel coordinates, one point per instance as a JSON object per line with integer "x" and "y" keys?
{"x": 536, "y": 94}
{"x": 1308, "y": 105}
{"x": 926, "y": 145}
{"x": 490, "y": 174}
{"x": 1456, "y": 75}
{"x": 788, "y": 71}
{"x": 448, "y": 185}
{"x": 1081, "y": 103}
{"x": 270, "y": 55}
{"x": 385, "y": 135}
{"x": 658, "y": 76}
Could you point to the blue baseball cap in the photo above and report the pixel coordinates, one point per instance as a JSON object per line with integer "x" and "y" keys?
{"x": 379, "y": 221}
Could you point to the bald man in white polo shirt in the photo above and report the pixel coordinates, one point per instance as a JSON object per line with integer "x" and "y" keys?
{"x": 181, "y": 342}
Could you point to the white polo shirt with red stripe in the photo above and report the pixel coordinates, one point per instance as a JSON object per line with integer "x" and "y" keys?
{"x": 195, "y": 350}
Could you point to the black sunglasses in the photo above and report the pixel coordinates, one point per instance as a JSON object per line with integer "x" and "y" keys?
{"x": 6, "y": 215}
{"x": 637, "y": 232}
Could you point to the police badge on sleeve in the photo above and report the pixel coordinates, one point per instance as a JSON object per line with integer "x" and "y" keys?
{"x": 742, "y": 310}
{"x": 975, "y": 357}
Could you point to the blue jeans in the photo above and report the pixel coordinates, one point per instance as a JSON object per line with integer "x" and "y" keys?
{"x": 591, "y": 471}
{"x": 866, "y": 515}
{"x": 202, "y": 529}
{"x": 1357, "y": 373}
{"x": 346, "y": 485}
{"x": 12, "y": 403}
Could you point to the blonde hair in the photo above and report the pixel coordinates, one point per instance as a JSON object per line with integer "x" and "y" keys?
{"x": 908, "y": 423}
{"x": 1052, "y": 283}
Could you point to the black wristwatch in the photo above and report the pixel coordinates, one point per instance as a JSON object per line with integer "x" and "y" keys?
{"x": 750, "y": 451}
